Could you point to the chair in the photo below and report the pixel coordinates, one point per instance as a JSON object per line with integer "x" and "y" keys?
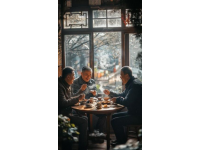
{"x": 133, "y": 130}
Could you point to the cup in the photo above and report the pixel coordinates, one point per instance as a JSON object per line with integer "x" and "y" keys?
{"x": 106, "y": 98}
{"x": 111, "y": 103}
{"x": 99, "y": 98}
{"x": 91, "y": 99}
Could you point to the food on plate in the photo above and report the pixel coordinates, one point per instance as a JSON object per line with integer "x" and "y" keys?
{"x": 105, "y": 106}
{"x": 99, "y": 105}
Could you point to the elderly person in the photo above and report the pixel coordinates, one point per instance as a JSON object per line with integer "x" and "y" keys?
{"x": 66, "y": 100}
{"x": 90, "y": 91}
{"x": 132, "y": 99}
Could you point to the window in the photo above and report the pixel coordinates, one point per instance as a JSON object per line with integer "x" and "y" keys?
{"x": 75, "y": 20}
{"x": 107, "y": 18}
{"x": 128, "y": 16}
{"x": 77, "y": 49}
{"x": 100, "y": 46}
{"x": 107, "y": 60}
{"x": 135, "y": 54}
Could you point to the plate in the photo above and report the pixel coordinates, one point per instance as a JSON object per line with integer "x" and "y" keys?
{"x": 106, "y": 102}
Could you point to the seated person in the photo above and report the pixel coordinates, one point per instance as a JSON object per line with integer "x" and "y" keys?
{"x": 66, "y": 100}
{"x": 132, "y": 99}
{"x": 90, "y": 91}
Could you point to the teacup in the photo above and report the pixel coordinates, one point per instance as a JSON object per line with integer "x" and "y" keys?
{"x": 91, "y": 99}
{"x": 99, "y": 98}
{"x": 106, "y": 98}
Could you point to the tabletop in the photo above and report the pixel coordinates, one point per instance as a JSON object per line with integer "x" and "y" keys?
{"x": 94, "y": 110}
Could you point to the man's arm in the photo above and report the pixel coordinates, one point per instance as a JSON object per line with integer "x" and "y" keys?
{"x": 133, "y": 94}
{"x": 113, "y": 94}
{"x": 63, "y": 101}
{"x": 76, "y": 89}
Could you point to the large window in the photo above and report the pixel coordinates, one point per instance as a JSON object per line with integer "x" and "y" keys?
{"x": 101, "y": 45}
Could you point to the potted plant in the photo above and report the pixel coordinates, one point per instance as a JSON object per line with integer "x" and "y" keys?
{"x": 67, "y": 132}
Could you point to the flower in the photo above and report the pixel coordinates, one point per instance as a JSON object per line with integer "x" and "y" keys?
{"x": 66, "y": 129}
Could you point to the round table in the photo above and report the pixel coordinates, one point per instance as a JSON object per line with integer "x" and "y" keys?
{"x": 106, "y": 111}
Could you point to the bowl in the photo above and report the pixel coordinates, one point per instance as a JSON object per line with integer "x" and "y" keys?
{"x": 88, "y": 105}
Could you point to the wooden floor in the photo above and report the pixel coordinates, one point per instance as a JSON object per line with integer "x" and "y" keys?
{"x": 96, "y": 146}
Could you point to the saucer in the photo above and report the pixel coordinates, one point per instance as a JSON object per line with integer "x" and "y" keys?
{"x": 88, "y": 106}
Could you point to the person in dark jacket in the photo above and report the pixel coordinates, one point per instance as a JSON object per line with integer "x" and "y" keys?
{"x": 90, "y": 91}
{"x": 132, "y": 99}
{"x": 66, "y": 99}
{"x": 85, "y": 78}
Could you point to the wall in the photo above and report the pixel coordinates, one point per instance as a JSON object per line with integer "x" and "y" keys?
{"x": 59, "y": 42}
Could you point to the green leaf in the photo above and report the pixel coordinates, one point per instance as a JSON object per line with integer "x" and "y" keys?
{"x": 77, "y": 132}
{"x": 72, "y": 125}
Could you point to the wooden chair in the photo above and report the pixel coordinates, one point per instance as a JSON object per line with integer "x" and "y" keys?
{"x": 133, "y": 130}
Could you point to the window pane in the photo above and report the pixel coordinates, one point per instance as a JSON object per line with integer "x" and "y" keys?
{"x": 77, "y": 52}
{"x": 99, "y": 13}
{"x": 114, "y": 13}
{"x": 107, "y": 61}
{"x": 114, "y": 22}
{"x": 99, "y": 23}
{"x": 75, "y": 20}
{"x": 135, "y": 54}
{"x": 128, "y": 17}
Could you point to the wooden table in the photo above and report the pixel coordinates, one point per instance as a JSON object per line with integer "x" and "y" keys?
{"x": 106, "y": 111}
